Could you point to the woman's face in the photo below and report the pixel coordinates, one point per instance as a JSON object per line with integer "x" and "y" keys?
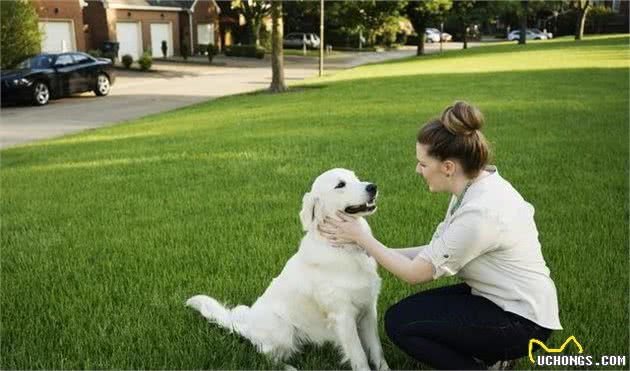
{"x": 432, "y": 170}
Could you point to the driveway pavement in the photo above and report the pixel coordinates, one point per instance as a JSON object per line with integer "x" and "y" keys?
{"x": 174, "y": 85}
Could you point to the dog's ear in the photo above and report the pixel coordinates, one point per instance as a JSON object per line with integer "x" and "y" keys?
{"x": 312, "y": 211}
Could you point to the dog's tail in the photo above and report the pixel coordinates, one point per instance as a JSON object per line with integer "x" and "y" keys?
{"x": 216, "y": 312}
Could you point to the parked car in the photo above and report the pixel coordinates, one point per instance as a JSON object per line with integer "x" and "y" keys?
{"x": 537, "y": 31}
{"x": 433, "y": 35}
{"x": 299, "y": 39}
{"x": 530, "y": 35}
{"x": 48, "y": 76}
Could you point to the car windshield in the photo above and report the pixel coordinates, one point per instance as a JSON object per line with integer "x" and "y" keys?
{"x": 39, "y": 61}
{"x": 535, "y": 30}
{"x": 435, "y": 30}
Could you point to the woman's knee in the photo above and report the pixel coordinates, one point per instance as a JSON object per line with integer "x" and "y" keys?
{"x": 393, "y": 323}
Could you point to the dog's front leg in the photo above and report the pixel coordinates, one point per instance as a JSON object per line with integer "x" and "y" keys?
{"x": 368, "y": 332}
{"x": 348, "y": 337}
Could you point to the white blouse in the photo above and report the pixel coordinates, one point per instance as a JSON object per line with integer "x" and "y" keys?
{"x": 491, "y": 242}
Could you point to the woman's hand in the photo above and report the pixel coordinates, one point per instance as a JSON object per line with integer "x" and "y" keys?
{"x": 344, "y": 230}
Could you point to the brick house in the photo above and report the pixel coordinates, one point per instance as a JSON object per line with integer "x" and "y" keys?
{"x": 140, "y": 25}
{"x": 61, "y": 22}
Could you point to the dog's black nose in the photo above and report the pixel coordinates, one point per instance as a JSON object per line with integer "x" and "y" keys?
{"x": 371, "y": 189}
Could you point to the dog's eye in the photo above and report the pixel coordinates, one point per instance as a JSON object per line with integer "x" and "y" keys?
{"x": 340, "y": 185}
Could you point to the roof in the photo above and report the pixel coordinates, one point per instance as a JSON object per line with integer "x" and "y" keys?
{"x": 158, "y": 4}
{"x": 186, "y": 4}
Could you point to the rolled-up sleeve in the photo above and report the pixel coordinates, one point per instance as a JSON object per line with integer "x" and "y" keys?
{"x": 470, "y": 233}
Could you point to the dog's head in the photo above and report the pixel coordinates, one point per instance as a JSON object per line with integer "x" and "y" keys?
{"x": 337, "y": 190}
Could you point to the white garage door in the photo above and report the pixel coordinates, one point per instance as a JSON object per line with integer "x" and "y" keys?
{"x": 130, "y": 38}
{"x": 205, "y": 33}
{"x": 161, "y": 32}
{"x": 57, "y": 37}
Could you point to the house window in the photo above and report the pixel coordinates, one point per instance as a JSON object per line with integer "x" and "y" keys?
{"x": 615, "y": 5}
{"x": 205, "y": 33}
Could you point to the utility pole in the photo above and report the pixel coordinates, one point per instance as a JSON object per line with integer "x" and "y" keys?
{"x": 321, "y": 38}
{"x": 441, "y": 33}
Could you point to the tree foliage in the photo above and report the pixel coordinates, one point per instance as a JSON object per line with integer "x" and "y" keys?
{"x": 422, "y": 13}
{"x": 375, "y": 19}
{"x": 254, "y": 12}
{"x": 466, "y": 12}
{"x": 20, "y": 35}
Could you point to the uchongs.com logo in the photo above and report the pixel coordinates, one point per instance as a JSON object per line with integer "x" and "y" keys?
{"x": 550, "y": 358}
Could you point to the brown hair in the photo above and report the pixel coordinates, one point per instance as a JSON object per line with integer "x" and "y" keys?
{"x": 456, "y": 135}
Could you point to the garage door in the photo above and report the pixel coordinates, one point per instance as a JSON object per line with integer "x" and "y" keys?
{"x": 205, "y": 33}
{"x": 161, "y": 32}
{"x": 57, "y": 37}
{"x": 130, "y": 38}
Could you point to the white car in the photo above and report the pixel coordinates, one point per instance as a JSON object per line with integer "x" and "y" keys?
{"x": 530, "y": 35}
{"x": 299, "y": 39}
{"x": 433, "y": 35}
{"x": 537, "y": 31}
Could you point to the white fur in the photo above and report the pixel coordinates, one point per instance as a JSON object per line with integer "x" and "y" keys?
{"x": 323, "y": 294}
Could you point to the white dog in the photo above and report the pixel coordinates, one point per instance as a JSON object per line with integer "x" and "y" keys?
{"x": 324, "y": 293}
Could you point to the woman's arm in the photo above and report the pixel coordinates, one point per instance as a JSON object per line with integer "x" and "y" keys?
{"x": 413, "y": 271}
{"x": 410, "y": 252}
{"x": 400, "y": 263}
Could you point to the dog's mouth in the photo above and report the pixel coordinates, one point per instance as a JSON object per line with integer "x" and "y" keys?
{"x": 367, "y": 207}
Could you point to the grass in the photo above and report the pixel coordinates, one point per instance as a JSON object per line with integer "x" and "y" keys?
{"x": 105, "y": 234}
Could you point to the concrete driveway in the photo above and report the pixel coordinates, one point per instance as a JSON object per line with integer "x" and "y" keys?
{"x": 174, "y": 85}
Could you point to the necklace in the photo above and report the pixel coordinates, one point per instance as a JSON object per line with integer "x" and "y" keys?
{"x": 460, "y": 198}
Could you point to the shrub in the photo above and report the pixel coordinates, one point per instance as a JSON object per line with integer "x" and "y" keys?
{"x": 212, "y": 51}
{"x": 201, "y": 49}
{"x": 598, "y": 17}
{"x": 127, "y": 60}
{"x": 184, "y": 49}
{"x": 95, "y": 53}
{"x": 145, "y": 61}
{"x": 248, "y": 51}
{"x": 20, "y": 36}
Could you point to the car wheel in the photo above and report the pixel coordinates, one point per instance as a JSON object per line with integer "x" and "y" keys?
{"x": 41, "y": 93}
{"x": 102, "y": 85}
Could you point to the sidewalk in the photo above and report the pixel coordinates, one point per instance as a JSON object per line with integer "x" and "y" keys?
{"x": 172, "y": 84}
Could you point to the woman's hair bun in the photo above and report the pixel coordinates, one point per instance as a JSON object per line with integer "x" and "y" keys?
{"x": 462, "y": 119}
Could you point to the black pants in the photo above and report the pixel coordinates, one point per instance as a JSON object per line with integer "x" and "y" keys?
{"x": 448, "y": 327}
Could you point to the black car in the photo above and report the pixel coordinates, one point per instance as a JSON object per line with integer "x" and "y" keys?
{"x": 49, "y": 76}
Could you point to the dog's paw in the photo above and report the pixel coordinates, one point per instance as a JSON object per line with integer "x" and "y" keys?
{"x": 383, "y": 366}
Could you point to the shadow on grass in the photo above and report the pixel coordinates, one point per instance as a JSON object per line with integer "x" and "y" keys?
{"x": 620, "y": 41}
{"x": 191, "y": 134}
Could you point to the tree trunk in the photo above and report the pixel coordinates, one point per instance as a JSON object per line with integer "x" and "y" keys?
{"x": 523, "y": 22}
{"x": 465, "y": 36}
{"x": 581, "y": 19}
{"x": 420, "y": 29}
{"x": 277, "y": 54}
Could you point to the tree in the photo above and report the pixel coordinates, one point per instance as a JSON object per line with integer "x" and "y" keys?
{"x": 373, "y": 18}
{"x": 20, "y": 35}
{"x": 582, "y": 7}
{"x": 464, "y": 11}
{"x": 277, "y": 54}
{"x": 254, "y": 12}
{"x": 522, "y": 40}
{"x": 421, "y": 13}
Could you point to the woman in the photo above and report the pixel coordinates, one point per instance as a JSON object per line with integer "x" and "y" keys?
{"x": 488, "y": 239}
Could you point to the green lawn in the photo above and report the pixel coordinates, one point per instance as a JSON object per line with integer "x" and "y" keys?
{"x": 105, "y": 234}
